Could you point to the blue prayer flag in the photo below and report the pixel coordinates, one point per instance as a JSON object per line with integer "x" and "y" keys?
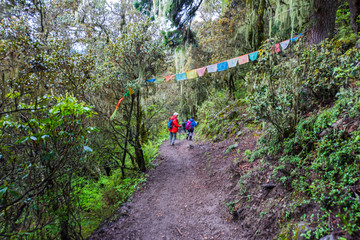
{"x": 222, "y": 66}
{"x": 151, "y": 80}
{"x": 253, "y": 56}
{"x": 295, "y": 38}
{"x": 181, "y": 76}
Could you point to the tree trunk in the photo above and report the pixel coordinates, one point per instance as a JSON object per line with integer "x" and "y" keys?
{"x": 64, "y": 232}
{"x": 127, "y": 137}
{"x": 354, "y": 6}
{"x": 139, "y": 155}
{"x": 3, "y": 91}
{"x": 260, "y": 24}
{"x": 323, "y": 21}
{"x": 231, "y": 86}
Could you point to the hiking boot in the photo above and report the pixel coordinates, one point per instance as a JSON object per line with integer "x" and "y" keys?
{"x": 186, "y": 137}
{"x": 190, "y": 138}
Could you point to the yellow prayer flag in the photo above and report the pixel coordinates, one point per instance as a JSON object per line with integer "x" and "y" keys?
{"x": 191, "y": 74}
{"x": 131, "y": 92}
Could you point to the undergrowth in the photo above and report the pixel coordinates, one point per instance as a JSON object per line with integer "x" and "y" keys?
{"x": 312, "y": 111}
{"x": 101, "y": 199}
{"x": 220, "y": 117}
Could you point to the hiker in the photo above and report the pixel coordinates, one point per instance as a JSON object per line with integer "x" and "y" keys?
{"x": 173, "y": 126}
{"x": 183, "y": 125}
{"x": 190, "y": 125}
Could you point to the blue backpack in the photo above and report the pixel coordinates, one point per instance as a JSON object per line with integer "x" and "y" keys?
{"x": 170, "y": 124}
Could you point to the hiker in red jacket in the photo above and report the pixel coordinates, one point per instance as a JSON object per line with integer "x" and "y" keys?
{"x": 174, "y": 129}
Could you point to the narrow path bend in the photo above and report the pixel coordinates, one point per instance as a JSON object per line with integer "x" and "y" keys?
{"x": 183, "y": 199}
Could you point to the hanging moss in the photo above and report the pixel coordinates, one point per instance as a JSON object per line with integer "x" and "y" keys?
{"x": 289, "y": 14}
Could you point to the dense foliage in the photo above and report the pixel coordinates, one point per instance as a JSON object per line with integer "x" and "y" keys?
{"x": 60, "y": 161}
{"x": 312, "y": 138}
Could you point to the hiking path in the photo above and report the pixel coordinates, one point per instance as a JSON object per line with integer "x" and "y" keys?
{"x": 183, "y": 198}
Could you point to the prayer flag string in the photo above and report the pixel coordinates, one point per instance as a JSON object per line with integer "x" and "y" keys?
{"x": 212, "y": 68}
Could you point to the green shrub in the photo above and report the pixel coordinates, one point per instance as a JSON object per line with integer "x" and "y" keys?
{"x": 101, "y": 199}
{"x": 314, "y": 147}
{"x": 283, "y": 89}
{"x": 321, "y": 160}
{"x": 218, "y": 116}
{"x": 41, "y": 177}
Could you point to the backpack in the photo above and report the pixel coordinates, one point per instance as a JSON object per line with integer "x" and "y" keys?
{"x": 170, "y": 124}
{"x": 188, "y": 125}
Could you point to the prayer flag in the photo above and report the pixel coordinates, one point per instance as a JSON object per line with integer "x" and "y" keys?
{"x": 160, "y": 80}
{"x": 191, "y": 74}
{"x": 212, "y": 68}
{"x": 253, "y": 56}
{"x": 261, "y": 51}
{"x": 167, "y": 78}
{"x": 201, "y": 71}
{"x": 126, "y": 94}
{"x": 131, "y": 92}
{"x": 151, "y": 80}
{"x": 222, "y": 66}
{"x": 284, "y": 44}
{"x": 181, "y": 76}
{"x": 243, "y": 59}
{"x": 232, "y": 62}
{"x": 117, "y": 106}
{"x": 295, "y": 38}
{"x": 276, "y": 49}
{"x": 113, "y": 115}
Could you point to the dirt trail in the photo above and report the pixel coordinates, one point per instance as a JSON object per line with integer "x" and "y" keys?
{"x": 183, "y": 199}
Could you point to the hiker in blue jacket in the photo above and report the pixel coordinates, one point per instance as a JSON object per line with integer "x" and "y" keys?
{"x": 190, "y": 125}
{"x": 183, "y": 126}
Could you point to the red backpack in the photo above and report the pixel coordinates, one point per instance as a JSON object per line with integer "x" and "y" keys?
{"x": 188, "y": 125}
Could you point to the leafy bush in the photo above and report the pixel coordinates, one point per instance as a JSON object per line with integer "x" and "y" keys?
{"x": 309, "y": 99}
{"x": 321, "y": 160}
{"x": 283, "y": 89}
{"x": 37, "y": 184}
{"x": 218, "y": 115}
{"x": 102, "y": 198}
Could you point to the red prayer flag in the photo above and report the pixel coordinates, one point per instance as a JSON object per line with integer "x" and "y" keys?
{"x": 117, "y": 106}
{"x": 243, "y": 59}
{"x": 167, "y": 78}
{"x": 276, "y": 49}
{"x": 201, "y": 71}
